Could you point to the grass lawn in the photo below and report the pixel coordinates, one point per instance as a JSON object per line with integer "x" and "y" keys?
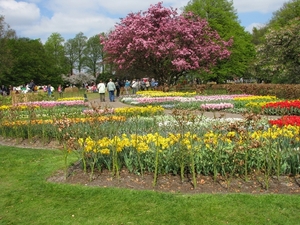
{"x": 27, "y": 198}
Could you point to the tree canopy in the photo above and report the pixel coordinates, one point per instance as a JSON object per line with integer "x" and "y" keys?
{"x": 164, "y": 44}
{"x": 6, "y": 58}
{"x": 93, "y": 55}
{"x": 55, "y": 51}
{"x": 223, "y": 18}
{"x": 289, "y": 11}
{"x": 31, "y": 63}
{"x": 278, "y": 58}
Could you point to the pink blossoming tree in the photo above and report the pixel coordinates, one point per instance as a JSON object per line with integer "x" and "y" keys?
{"x": 164, "y": 44}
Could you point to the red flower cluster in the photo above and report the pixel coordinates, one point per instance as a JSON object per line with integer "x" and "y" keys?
{"x": 282, "y": 108}
{"x": 286, "y": 120}
{"x": 284, "y": 104}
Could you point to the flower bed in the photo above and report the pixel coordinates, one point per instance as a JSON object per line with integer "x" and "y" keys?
{"x": 286, "y": 120}
{"x": 219, "y": 106}
{"x": 142, "y": 139}
{"x": 282, "y": 108}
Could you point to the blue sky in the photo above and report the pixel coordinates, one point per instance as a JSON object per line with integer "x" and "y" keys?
{"x": 40, "y": 18}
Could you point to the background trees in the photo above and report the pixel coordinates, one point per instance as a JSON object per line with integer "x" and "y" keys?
{"x": 55, "y": 50}
{"x": 278, "y": 53}
{"x": 70, "y": 53}
{"x": 223, "y": 18}
{"x": 74, "y": 50}
{"x": 158, "y": 42}
{"x": 30, "y": 63}
{"x": 278, "y": 58}
{"x": 289, "y": 11}
{"x": 94, "y": 55}
{"x": 6, "y": 58}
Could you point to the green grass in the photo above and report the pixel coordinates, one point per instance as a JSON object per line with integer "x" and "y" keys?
{"x": 27, "y": 198}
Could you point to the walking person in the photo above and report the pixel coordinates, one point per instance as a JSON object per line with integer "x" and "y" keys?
{"x": 59, "y": 89}
{"x": 118, "y": 87}
{"x": 134, "y": 86}
{"x": 49, "y": 90}
{"x": 127, "y": 87}
{"x": 111, "y": 87}
{"x": 101, "y": 90}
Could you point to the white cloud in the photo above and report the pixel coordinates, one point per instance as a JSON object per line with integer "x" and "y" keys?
{"x": 250, "y": 27}
{"x": 19, "y": 13}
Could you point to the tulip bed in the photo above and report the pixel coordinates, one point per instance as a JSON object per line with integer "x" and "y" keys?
{"x": 143, "y": 139}
{"x": 266, "y": 105}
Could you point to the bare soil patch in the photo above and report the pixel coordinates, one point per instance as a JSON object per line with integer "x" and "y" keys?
{"x": 173, "y": 183}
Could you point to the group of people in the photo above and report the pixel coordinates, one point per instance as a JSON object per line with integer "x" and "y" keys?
{"x": 32, "y": 87}
{"x": 114, "y": 88}
{"x": 27, "y": 88}
{"x": 140, "y": 85}
{"x": 117, "y": 87}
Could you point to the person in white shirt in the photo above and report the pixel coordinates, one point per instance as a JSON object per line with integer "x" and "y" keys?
{"x": 101, "y": 90}
{"x": 134, "y": 86}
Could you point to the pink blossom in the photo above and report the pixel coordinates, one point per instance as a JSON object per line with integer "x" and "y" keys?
{"x": 216, "y": 106}
{"x": 162, "y": 41}
{"x": 50, "y": 104}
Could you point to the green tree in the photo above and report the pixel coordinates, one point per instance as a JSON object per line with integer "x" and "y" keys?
{"x": 70, "y": 54}
{"x": 80, "y": 44}
{"x": 6, "y": 57}
{"x": 223, "y": 18}
{"x": 74, "y": 51}
{"x": 289, "y": 11}
{"x": 279, "y": 56}
{"x": 31, "y": 63}
{"x": 93, "y": 55}
{"x": 277, "y": 48}
{"x": 258, "y": 34}
{"x": 55, "y": 50}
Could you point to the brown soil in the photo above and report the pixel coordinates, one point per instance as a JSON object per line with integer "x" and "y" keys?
{"x": 173, "y": 184}
{"x": 165, "y": 183}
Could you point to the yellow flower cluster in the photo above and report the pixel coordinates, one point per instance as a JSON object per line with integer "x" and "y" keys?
{"x": 275, "y": 132}
{"x": 18, "y": 107}
{"x": 139, "y": 110}
{"x": 139, "y": 142}
{"x": 69, "y": 120}
{"x": 5, "y": 107}
{"x": 211, "y": 140}
{"x": 104, "y": 145}
{"x": 70, "y": 99}
{"x": 256, "y": 98}
{"x": 258, "y": 105}
{"x": 165, "y": 94}
{"x": 25, "y": 122}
